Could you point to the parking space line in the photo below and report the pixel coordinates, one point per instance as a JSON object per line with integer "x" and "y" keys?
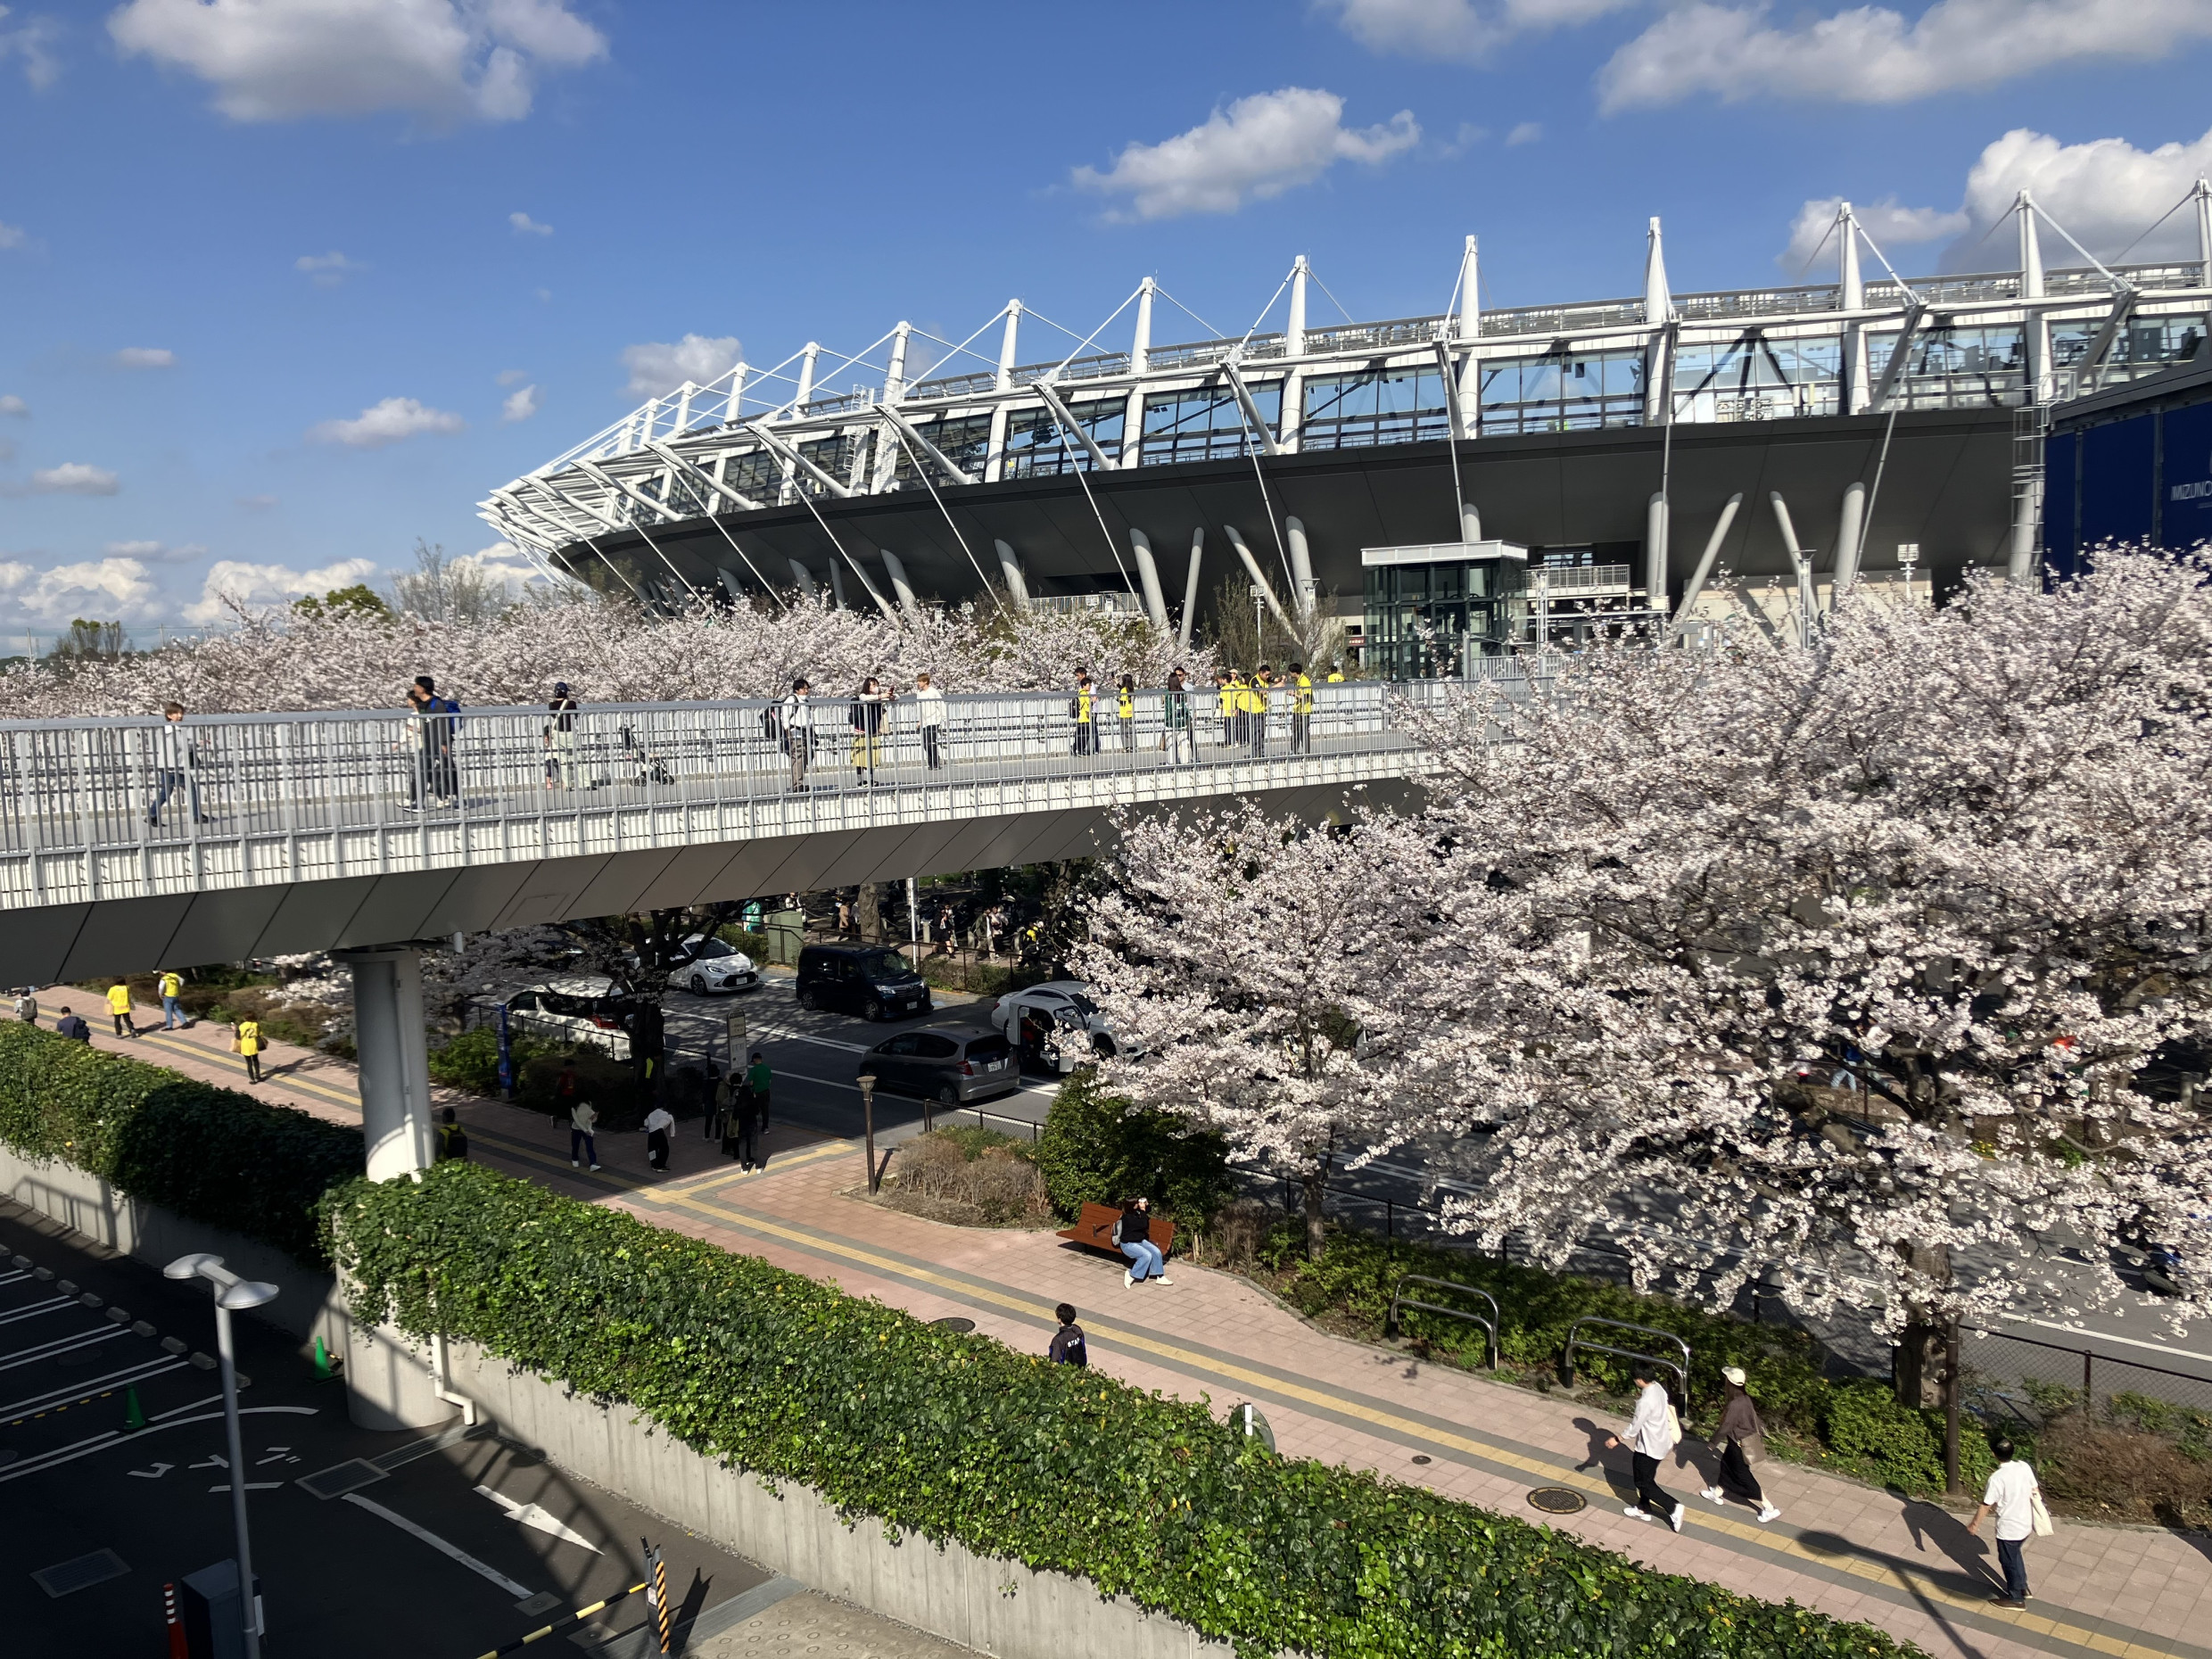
{"x": 440, "y": 1545}
{"x": 36, "y": 1308}
{"x": 77, "y": 1394}
{"x": 61, "y": 1345}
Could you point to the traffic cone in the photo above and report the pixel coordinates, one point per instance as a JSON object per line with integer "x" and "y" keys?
{"x": 134, "y": 1414}
{"x": 324, "y": 1369}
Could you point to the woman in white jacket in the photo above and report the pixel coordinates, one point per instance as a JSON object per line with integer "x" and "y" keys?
{"x": 929, "y": 715}
{"x": 1653, "y": 1433}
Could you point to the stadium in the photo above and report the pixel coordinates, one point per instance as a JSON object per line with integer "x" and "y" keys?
{"x": 1485, "y": 478}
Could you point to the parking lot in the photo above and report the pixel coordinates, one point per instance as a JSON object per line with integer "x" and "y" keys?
{"x": 114, "y": 1482}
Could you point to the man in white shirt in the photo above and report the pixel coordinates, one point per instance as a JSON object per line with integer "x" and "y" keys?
{"x": 2012, "y": 1494}
{"x": 929, "y": 715}
{"x": 1652, "y": 1435}
{"x": 658, "y": 1122}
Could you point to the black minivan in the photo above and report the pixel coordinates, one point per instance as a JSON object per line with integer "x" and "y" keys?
{"x": 863, "y": 979}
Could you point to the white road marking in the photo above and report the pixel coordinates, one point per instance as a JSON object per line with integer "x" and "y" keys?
{"x": 2107, "y": 1336}
{"x": 154, "y": 1474}
{"x": 116, "y": 1437}
{"x": 36, "y": 1308}
{"x": 60, "y": 1345}
{"x": 90, "y": 1386}
{"x": 251, "y": 1486}
{"x": 274, "y": 1456}
{"x": 532, "y": 1516}
{"x": 405, "y": 1525}
{"x": 216, "y": 1462}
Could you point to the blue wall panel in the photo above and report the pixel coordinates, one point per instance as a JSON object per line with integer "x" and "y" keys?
{"x": 2185, "y": 477}
{"x": 2116, "y": 482}
{"x": 2058, "y": 503}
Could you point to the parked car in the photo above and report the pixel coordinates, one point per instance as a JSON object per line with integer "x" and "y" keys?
{"x": 865, "y": 980}
{"x": 1073, "y": 1029}
{"x": 580, "y": 1010}
{"x": 951, "y": 1065}
{"x": 712, "y": 964}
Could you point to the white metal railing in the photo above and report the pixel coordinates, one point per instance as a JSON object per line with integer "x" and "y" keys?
{"x": 92, "y": 809}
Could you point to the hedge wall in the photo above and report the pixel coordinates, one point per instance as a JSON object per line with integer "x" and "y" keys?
{"x": 211, "y": 1154}
{"x": 958, "y": 1437}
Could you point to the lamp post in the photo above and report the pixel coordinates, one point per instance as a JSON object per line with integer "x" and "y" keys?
{"x": 868, "y": 1120}
{"x": 233, "y": 1294}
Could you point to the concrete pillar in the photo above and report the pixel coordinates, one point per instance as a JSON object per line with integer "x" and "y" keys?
{"x": 1850, "y": 536}
{"x": 2027, "y": 503}
{"x": 1470, "y": 521}
{"x": 1010, "y": 572}
{"x": 836, "y": 583}
{"x": 1294, "y": 333}
{"x": 1190, "y": 588}
{"x": 2035, "y": 328}
{"x": 804, "y": 578}
{"x": 734, "y": 411}
{"x": 1259, "y": 578}
{"x": 1141, "y": 345}
{"x": 807, "y": 360}
{"x": 1851, "y": 297}
{"x": 1301, "y": 568}
{"x": 895, "y": 382}
{"x": 1006, "y": 345}
{"x": 900, "y": 586}
{"x": 1655, "y": 551}
{"x": 1148, "y": 578}
{"x": 1799, "y": 559}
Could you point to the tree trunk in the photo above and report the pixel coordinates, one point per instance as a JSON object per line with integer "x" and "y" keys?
{"x": 1316, "y": 1182}
{"x": 868, "y": 912}
{"x": 1917, "y": 1367}
{"x": 1953, "y": 1386}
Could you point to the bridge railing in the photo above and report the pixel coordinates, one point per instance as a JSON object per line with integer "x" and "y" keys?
{"x": 101, "y": 786}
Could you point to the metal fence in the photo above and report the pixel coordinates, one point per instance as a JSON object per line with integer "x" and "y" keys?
{"x": 2006, "y": 1357}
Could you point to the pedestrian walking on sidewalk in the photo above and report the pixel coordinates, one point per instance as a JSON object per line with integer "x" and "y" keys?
{"x": 119, "y": 1005}
{"x": 583, "y": 1118}
{"x": 1742, "y": 1440}
{"x": 1133, "y": 1234}
{"x": 27, "y": 1007}
{"x": 71, "y": 1026}
{"x": 452, "y": 1139}
{"x": 249, "y": 1040}
{"x": 658, "y": 1122}
{"x": 1654, "y": 1431}
{"x": 172, "y": 1010}
{"x": 1068, "y": 1346}
{"x": 753, "y": 1106}
{"x": 2017, "y": 1501}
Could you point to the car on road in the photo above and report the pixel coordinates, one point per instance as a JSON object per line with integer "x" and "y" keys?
{"x": 871, "y": 980}
{"x": 711, "y": 965}
{"x": 951, "y": 1065}
{"x": 1073, "y": 1029}
{"x": 577, "y": 1010}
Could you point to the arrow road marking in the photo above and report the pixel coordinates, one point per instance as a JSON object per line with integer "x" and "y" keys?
{"x": 532, "y": 1516}
{"x": 154, "y": 1474}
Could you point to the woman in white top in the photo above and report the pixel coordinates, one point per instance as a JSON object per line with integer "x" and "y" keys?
{"x": 658, "y": 1122}
{"x": 929, "y": 715}
{"x": 1651, "y": 1434}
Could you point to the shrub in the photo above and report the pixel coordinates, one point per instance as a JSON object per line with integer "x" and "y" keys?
{"x": 207, "y": 1153}
{"x": 958, "y": 1437}
{"x": 1095, "y": 1150}
{"x": 969, "y": 1176}
{"x": 470, "y": 1061}
{"x": 1868, "y": 1433}
{"x": 610, "y": 1085}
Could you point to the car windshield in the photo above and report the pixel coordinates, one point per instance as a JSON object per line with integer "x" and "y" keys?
{"x": 885, "y": 965}
{"x": 1084, "y": 1004}
{"x": 706, "y": 948}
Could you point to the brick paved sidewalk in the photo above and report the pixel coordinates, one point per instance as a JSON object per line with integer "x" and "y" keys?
{"x": 1851, "y": 1550}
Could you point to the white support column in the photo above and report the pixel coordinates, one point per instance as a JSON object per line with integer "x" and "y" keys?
{"x": 1802, "y": 560}
{"x": 2035, "y": 328}
{"x": 894, "y": 382}
{"x": 648, "y": 418}
{"x": 2203, "y": 194}
{"x": 808, "y": 358}
{"x": 1850, "y": 537}
{"x": 995, "y": 446}
{"x": 1851, "y": 297}
{"x": 804, "y": 578}
{"x": 836, "y": 583}
{"x": 1140, "y": 362}
{"x": 900, "y": 586}
{"x": 1190, "y": 589}
{"x": 1706, "y": 560}
{"x": 1658, "y": 312}
{"x": 683, "y": 409}
{"x": 1655, "y": 551}
{"x": 1010, "y": 572}
{"x": 1470, "y": 521}
{"x": 1301, "y": 569}
{"x": 734, "y": 411}
{"x": 1466, "y": 327}
{"x": 1148, "y": 578}
{"x": 1141, "y": 344}
{"x": 1007, "y": 345}
{"x": 1294, "y": 333}
{"x": 1259, "y": 577}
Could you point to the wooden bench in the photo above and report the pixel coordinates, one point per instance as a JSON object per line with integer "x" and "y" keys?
{"x": 1096, "y": 1227}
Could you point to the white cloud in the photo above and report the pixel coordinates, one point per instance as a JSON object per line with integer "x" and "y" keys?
{"x": 1871, "y": 55}
{"x": 525, "y": 225}
{"x": 144, "y": 357}
{"x": 657, "y": 368}
{"x": 1527, "y": 132}
{"x": 384, "y": 423}
{"x": 32, "y": 42}
{"x": 107, "y": 589}
{"x": 1888, "y": 223}
{"x": 511, "y": 376}
{"x": 443, "y": 60}
{"x": 519, "y": 406}
{"x": 328, "y": 270}
{"x": 233, "y": 582}
{"x": 1463, "y": 31}
{"x": 12, "y": 235}
{"x": 505, "y": 562}
{"x": 72, "y": 478}
{"x": 2107, "y": 192}
{"x": 1259, "y": 147}
{"x": 11, "y": 404}
{"x": 156, "y": 552}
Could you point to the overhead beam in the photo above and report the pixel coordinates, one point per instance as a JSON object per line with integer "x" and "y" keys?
{"x": 1894, "y": 370}
{"x": 592, "y": 469}
{"x": 944, "y": 462}
{"x": 834, "y": 486}
{"x": 1267, "y": 444}
{"x": 1074, "y": 428}
{"x": 706, "y": 477}
{"x": 2123, "y": 304}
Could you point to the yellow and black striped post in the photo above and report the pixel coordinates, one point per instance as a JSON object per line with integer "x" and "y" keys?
{"x": 657, "y": 1574}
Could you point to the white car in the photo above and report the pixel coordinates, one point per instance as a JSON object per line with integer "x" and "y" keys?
{"x": 1066, "y": 1012}
{"x": 577, "y": 1010}
{"x": 714, "y": 965}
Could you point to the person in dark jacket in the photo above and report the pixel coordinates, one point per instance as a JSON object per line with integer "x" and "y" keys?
{"x": 1133, "y": 1234}
{"x": 1067, "y": 1347}
{"x": 452, "y": 1139}
{"x": 1741, "y": 1438}
{"x": 69, "y": 1026}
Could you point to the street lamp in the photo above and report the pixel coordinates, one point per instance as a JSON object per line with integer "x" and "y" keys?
{"x": 233, "y": 1294}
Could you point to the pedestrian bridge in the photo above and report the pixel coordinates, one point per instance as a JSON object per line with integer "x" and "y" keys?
{"x": 284, "y": 833}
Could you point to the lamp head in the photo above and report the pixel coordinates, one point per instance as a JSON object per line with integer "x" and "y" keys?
{"x": 189, "y": 1266}
{"x": 246, "y": 1294}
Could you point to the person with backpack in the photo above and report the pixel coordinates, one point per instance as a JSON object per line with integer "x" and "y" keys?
{"x": 1742, "y": 1442}
{"x": 2016, "y": 1499}
{"x": 795, "y": 718}
{"x": 560, "y": 738}
{"x": 1067, "y": 1347}
{"x": 436, "y": 778}
{"x": 1653, "y": 1433}
{"x": 452, "y": 1139}
{"x": 27, "y": 1006}
{"x": 73, "y": 1026}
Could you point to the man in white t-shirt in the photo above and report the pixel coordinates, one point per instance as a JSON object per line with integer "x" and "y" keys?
{"x": 2010, "y": 1494}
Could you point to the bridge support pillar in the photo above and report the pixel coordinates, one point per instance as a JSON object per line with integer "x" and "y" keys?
{"x": 389, "y": 1385}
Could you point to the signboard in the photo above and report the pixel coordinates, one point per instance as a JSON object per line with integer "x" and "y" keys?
{"x": 735, "y": 1033}
{"x": 2185, "y": 477}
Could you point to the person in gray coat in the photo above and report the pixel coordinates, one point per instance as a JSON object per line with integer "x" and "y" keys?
{"x": 1741, "y": 1441}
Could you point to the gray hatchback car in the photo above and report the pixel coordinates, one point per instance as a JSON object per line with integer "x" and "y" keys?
{"x": 951, "y": 1065}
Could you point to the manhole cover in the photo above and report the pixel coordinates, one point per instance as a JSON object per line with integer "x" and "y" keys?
{"x": 955, "y": 1323}
{"x": 1557, "y": 1500}
{"x": 1420, "y": 1457}
{"x": 82, "y": 1573}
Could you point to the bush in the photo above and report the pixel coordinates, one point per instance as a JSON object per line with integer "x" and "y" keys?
{"x": 969, "y": 1176}
{"x": 958, "y": 1437}
{"x": 610, "y": 1085}
{"x": 1867, "y": 1432}
{"x": 210, "y": 1154}
{"x": 1095, "y": 1150}
{"x": 470, "y": 1061}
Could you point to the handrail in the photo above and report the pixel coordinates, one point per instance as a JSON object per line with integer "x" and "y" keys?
{"x": 1682, "y": 1371}
{"x": 1398, "y": 1298}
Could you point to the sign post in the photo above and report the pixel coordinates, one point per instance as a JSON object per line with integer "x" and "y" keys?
{"x": 507, "y": 1058}
{"x": 868, "y": 1123}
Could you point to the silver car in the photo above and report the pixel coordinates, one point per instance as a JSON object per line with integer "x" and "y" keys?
{"x": 714, "y": 965}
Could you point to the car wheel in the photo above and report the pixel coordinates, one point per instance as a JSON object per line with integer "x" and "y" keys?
{"x": 874, "y": 1009}
{"x": 698, "y": 985}
{"x": 947, "y": 1094}
{"x": 809, "y": 1000}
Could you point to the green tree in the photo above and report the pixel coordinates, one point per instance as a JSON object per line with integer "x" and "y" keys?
{"x": 360, "y": 602}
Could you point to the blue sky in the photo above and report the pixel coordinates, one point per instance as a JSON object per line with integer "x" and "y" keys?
{"x": 287, "y": 283}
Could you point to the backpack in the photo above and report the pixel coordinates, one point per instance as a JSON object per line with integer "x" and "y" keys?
{"x": 772, "y": 724}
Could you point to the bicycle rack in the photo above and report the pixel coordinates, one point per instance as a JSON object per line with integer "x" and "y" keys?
{"x": 1398, "y": 1298}
{"x": 1682, "y": 1371}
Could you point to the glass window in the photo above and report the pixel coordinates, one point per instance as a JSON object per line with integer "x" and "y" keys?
{"x": 1951, "y": 367}
{"x": 1754, "y": 379}
{"x": 931, "y": 1046}
{"x": 884, "y": 965}
{"x": 1204, "y": 422}
{"x": 1373, "y": 406}
{"x": 986, "y": 1047}
{"x": 1037, "y": 447}
{"x": 965, "y": 442}
{"x": 1422, "y": 620}
{"x": 756, "y": 475}
{"x": 834, "y": 456}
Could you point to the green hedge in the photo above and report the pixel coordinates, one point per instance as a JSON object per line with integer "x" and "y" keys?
{"x": 1095, "y": 1150}
{"x": 209, "y": 1153}
{"x": 960, "y": 1437}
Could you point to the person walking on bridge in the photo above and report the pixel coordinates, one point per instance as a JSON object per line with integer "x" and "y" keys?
{"x": 869, "y": 704}
{"x": 434, "y": 779}
{"x": 929, "y": 716}
{"x": 797, "y": 719}
{"x": 177, "y": 769}
{"x": 1301, "y": 710}
{"x": 1083, "y": 706}
{"x": 560, "y": 738}
{"x": 1175, "y": 721}
{"x": 1125, "y": 710}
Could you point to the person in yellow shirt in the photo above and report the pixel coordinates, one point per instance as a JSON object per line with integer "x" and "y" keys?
{"x": 172, "y": 1010}
{"x": 1125, "y": 710}
{"x": 1086, "y": 725}
{"x": 1336, "y": 673}
{"x": 1255, "y": 704}
{"x": 249, "y": 1031}
{"x": 1301, "y": 710}
{"x": 119, "y": 1005}
{"x": 1232, "y": 688}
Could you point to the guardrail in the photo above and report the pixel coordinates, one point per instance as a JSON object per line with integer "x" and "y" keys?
{"x": 1398, "y": 1298}
{"x": 1575, "y": 1333}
